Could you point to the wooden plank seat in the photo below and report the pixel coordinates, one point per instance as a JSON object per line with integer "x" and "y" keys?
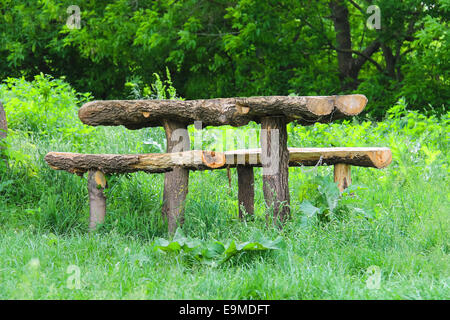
{"x": 244, "y": 160}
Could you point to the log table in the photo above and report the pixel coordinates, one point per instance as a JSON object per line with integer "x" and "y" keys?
{"x": 272, "y": 112}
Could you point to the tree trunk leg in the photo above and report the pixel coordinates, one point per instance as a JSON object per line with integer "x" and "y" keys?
{"x": 275, "y": 163}
{"x": 175, "y": 182}
{"x": 246, "y": 193}
{"x": 97, "y": 199}
{"x": 342, "y": 175}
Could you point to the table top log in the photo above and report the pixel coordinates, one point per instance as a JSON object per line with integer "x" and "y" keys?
{"x": 136, "y": 114}
{"x": 207, "y": 160}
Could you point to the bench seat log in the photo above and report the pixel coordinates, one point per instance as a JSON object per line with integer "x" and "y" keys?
{"x": 136, "y": 114}
{"x": 375, "y": 157}
{"x": 244, "y": 160}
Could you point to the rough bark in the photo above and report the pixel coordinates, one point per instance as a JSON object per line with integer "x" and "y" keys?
{"x": 342, "y": 176}
{"x": 176, "y": 182}
{"x": 349, "y": 67}
{"x": 136, "y": 114}
{"x": 97, "y": 199}
{"x": 246, "y": 191}
{"x": 206, "y": 160}
{"x": 275, "y": 163}
{"x": 375, "y": 157}
{"x": 339, "y": 12}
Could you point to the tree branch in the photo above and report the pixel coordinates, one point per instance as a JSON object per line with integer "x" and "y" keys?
{"x": 357, "y": 6}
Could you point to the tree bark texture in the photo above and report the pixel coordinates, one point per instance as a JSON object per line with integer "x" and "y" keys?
{"x": 176, "y": 182}
{"x": 375, "y": 157}
{"x": 136, "y": 114}
{"x": 246, "y": 190}
{"x": 275, "y": 163}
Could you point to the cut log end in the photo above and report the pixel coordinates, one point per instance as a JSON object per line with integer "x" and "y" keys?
{"x": 351, "y": 105}
{"x": 320, "y": 106}
{"x": 213, "y": 159}
{"x": 381, "y": 158}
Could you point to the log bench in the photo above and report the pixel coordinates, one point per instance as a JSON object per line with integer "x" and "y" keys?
{"x": 97, "y": 165}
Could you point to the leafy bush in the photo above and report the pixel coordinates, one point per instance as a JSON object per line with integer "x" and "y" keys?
{"x": 45, "y": 106}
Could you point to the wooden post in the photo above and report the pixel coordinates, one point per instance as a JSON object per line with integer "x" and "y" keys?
{"x": 97, "y": 200}
{"x": 342, "y": 175}
{"x": 3, "y": 128}
{"x": 275, "y": 163}
{"x": 176, "y": 182}
{"x": 246, "y": 193}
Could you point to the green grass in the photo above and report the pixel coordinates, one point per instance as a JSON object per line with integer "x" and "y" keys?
{"x": 44, "y": 213}
{"x": 396, "y": 220}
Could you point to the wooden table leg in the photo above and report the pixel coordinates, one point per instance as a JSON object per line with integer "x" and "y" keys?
{"x": 246, "y": 192}
{"x": 275, "y": 163}
{"x": 175, "y": 182}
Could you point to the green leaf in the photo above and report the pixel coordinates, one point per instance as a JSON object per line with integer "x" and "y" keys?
{"x": 213, "y": 253}
{"x": 309, "y": 209}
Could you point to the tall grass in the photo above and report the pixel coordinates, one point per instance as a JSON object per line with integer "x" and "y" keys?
{"x": 397, "y": 219}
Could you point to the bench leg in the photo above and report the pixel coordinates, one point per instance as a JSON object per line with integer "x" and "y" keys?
{"x": 342, "y": 176}
{"x": 246, "y": 192}
{"x": 175, "y": 182}
{"x": 275, "y": 163}
{"x": 97, "y": 199}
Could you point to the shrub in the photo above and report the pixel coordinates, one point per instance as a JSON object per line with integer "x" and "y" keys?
{"x": 44, "y": 106}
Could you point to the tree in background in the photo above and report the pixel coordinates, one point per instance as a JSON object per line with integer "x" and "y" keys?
{"x": 236, "y": 47}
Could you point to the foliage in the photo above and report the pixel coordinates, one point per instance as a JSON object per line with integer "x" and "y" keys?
{"x": 213, "y": 253}
{"x": 159, "y": 89}
{"x": 234, "y": 48}
{"x": 395, "y": 218}
{"x": 43, "y": 106}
